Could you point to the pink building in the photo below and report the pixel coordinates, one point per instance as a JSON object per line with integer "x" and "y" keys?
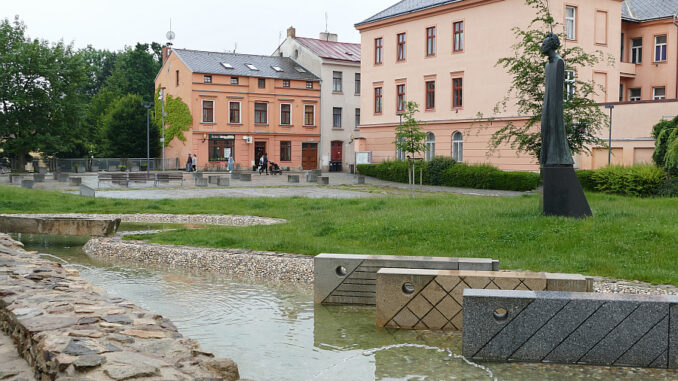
{"x": 443, "y": 54}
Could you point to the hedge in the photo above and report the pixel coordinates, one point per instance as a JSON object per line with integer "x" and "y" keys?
{"x": 639, "y": 180}
{"x": 393, "y": 171}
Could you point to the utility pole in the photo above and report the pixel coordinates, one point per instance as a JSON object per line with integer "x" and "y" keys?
{"x": 162, "y": 139}
{"x": 609, "y": 139}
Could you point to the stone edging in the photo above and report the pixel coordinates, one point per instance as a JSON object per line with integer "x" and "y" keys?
{"x": 67, "y": 328}
{"x": 198, "y": 219}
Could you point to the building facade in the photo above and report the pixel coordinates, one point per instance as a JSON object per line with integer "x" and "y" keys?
{"x": 443, "y": 55}
{"x": 338, "y": 66}
{"x": 244, "y": 106}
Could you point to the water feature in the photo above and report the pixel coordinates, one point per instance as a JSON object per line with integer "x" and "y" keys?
{"x": 276, "y": 333}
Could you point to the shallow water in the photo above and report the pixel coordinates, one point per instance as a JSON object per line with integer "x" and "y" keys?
{"x": 276, "y": 333}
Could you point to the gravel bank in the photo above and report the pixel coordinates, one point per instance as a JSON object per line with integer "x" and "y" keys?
{"x": 198, "y": 219}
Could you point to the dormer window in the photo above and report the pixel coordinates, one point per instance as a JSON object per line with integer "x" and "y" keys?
{"x": 227, "y": 65}
{"x": 277, "y": 68}
{"x": 300, "y": 69}
{"x": 252, "y": 67}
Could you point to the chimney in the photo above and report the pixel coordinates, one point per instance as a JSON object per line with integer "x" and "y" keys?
{"x": 327, "y": 36}
{"x": 291, "y": 32}
{"x": 165, "y": 54}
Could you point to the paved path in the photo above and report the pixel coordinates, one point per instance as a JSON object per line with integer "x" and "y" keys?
{"x": 12, "y": 367}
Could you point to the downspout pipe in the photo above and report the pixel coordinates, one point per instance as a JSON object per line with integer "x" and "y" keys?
{"x": 675, "y": 22}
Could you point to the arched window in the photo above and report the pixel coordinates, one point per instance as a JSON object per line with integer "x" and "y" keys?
{"x": 458, "y": 146}
{"x": 430, "y": 146}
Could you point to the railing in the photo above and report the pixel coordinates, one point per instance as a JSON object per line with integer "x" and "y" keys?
{"x": 112, "y": 164}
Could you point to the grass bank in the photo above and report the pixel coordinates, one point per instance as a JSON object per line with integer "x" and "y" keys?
{"x": 628, "y": 238}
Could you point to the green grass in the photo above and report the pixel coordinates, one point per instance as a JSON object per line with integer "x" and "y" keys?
{"x": 628, "y": 238}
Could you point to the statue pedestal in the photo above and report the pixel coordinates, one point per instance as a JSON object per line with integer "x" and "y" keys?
{"x": 563, "y": 194}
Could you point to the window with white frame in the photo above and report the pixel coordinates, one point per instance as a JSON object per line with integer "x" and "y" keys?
{"x": 234, "y": 112}
{"x": 336, "y": 81}
{"x": 569, "y": 84}
{"x": 570, "y": 23}
{"x": 636, "y": 50}
{"x": 458, "y": 147}
{"x": 430, "y": 146}
{"x": 634, "y": 94}
{"x": 659, "y": 93}
{"x": 660, "y": 48}
{"x": 285, "y": 114}
{"x": 207, "y": 111}
{"x": 336, "y": 117}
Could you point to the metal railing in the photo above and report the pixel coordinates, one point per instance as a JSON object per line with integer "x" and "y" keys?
{"x": 112, "y": 164}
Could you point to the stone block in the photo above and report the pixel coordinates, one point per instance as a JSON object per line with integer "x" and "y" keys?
{"x": 292, "y": 178}
{"x": 80, "y": 169}
{"x": 245, "y": 177}
{"x": 113, "y": 168}
{"x": 352, "y": 278}
{"x": 63, "y": 177}
{"x": 571, "y": 328}
{"x": 42, "y": 170}
{"x": 16, "y": 179}
{"x": 76, "y": 181}
{"x": 28, "y": 184}
{"x": 223, "y": 181}
{"x": 361, "y": 179}
{"x": 39, "y": 177}
{"x": 200, "y": 182}
{"x": 58, "y": 225}
{"x": 87, "y": 191}
{"x": 323, "y": 180}
{"x": 197, "y": 175}
{"x": 95, "y": 168}
{"x": 432, "y": 299}
{"x": 213, "y": 179}
{"x": 235, "y": 175}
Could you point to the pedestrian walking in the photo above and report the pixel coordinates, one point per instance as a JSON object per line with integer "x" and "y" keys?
{"x": 189, "y": 163}
{"x": 261, "y": 164}
{"x": 265, "y": 157}
{"x": 195, "y": 163}
{"x": 230, "y": 163}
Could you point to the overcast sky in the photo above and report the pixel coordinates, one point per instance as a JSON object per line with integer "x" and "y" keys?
{"x": 255, "y": 25}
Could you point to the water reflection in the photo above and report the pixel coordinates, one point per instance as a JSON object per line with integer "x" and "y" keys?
{"x": 276, "y": 333}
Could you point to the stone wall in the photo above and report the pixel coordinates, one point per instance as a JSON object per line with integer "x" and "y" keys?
{"x": 66, "y": 328}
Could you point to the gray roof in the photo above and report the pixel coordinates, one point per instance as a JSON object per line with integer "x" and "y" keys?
{"x": 646, "y": 10}
{"x": 212, "y": 63}
{"x": 406, "y": 6}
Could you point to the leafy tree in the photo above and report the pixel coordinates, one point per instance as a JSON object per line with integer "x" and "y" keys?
{"x": 134, "y": 72}
{"x": 41, "y": 95}
{"x": 100, "y": 65}
{"x": 410, "y": 137}
{"x": 124, "y": 129}
{"x": 178, "y": 117}
{"x": 583, "y": 117}
{"x": 666, "y": 145}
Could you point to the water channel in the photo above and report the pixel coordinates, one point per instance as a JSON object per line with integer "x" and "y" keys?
{"x": 276, "y": 333}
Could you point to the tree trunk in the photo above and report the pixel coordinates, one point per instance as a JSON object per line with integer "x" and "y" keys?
{"x": 19, "y": 164}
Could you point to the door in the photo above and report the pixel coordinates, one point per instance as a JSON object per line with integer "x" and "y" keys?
{"x": 259, "y": 149}
{"x": 336, "y": 156}
{"x": 309, "y": 156}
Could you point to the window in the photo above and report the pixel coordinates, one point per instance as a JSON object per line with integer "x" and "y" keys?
{"x": 260, "y": 113}
{"x": 457, "y": 92}
{"x": 252, "y": 67}
{"x": 227, "y": 65}
{"x": 262, "y": 83}
{"x": 458, "y": 147}
{"x": 636, "y": 50}
{"x": 286, "y": 83}
{"x": 430, "y": 95}
{"x": 285, "y": 114}
{"x": 357, "y": 118}
{"x": 400, "y": 154}
{"x": 357, "y": 83}
{"x": 234, "y": 112}
{"x": 221, "y": 149}
{"x": 177, "y": 77}
{"x": 207, "y": 79}
{"x": 309, "y": 115}
{"x": 234, "y": 80}
{"x": 431, "y": 41}
{"x": 569, "y": 84}
{"x": 658, "y": 93}
{"x": 634, "y": 94}
{"x": 401, "y": 47}
{"x": 378, "y": 50}
{"x": 336, "y": 117}
{"x": 621, "y": 92}
{"x": 309, "y": 84}
{"x": 458, "y": 36}
{"x": 285, "y": 151}
{"x": 300, "y": 69}
{"x": 660, "y": 48}
{"x": 277, "y": 68}
{"x": 336, "y": 81}
{"x": 208, "y": 111}
{"x": 430, "y": 146}
{"x": 570, "y": 23}
{"x": 400, "y": 98}
{"x": 377, "y": 100}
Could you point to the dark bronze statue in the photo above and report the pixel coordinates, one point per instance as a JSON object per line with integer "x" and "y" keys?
{"x": 554, "y": 147}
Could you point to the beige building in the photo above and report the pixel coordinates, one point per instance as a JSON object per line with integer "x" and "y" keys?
{"x": 338, "y": 66}
{"x": 443, "y": 55}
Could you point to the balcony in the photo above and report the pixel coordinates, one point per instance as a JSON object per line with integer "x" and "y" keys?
{"x": 627, "y": 70}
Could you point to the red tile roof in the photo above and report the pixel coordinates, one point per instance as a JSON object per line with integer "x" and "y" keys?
{"x": 342, "y": 51}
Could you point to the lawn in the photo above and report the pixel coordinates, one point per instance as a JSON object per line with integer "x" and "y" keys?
{"x": 628, "y": 238}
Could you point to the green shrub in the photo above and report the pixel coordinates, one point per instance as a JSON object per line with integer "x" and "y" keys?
{"x": 669, "y": 188}
{"x": 639, "y": 180}
{"x": 488, "y": 177}
{"x": 586, "y": 179}
{"x": 393, "y": 171}
{"x": 437, "y": 166}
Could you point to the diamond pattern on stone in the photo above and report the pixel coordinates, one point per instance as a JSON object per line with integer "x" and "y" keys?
{"x": 433, "y": 292}
{"x": 477, "y": 281}
{"x": 435, "y": 320}
{"x": 448, "y": 307}
{"x": 458, "y": 292}
{"x": 419, "y": 306}
{"x": 456, "y": 321}
{"x": 506, "y": 283}
{"x": 447, "y": 282}
{"x": 405, "y": 318}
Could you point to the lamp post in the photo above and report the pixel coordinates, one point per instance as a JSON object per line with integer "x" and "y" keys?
{"x": 148, "y": 106}
{"x": 609, "y": 139}
{"x": 162, "y": 139}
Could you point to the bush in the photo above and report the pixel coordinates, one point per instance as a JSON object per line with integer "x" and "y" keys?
{"x": 393, "y": 171}
{"x": 639, "y": 180}
{"x": 586, "y": 179}
{"x": 669, "y": 188}
{"x": 488, "y": 177}
{"x": 437, "y": 166}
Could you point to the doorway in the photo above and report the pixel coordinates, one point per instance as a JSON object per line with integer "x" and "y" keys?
{"x": 309, "y": 156}
{"x": 336, "y": 156}
{"x": 259, "y": 150}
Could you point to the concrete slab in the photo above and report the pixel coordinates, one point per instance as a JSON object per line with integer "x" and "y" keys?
{"x": 39, "y": 177}
{"x": 352, "y": 278}
{"x": 62, "y": 177}
{"x": 16, "y": 179}
{"x": 223, "y": 181}
{"x": 76, "y": 181}
{"x": 58, "y": 225}
{"x": 213, "y": 179}
{"x": 28, "y": 184}
{"x": 292, "y": 178}
{"x": 200, "y": 182}
{"x": 323, "y": 180}
{"x": 571, "y": 328}
{"x": 87, "y": 191}
{"x": 245, "y": 177}
{"x": 432, "y": 299}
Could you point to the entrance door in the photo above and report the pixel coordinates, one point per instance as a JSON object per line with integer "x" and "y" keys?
{"x": 259, "y": 149}
{"x": 309, "y": 156}
{"x": 336, "y": 155}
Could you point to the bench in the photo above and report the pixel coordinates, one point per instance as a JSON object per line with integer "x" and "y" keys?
{"x": 139, "y": 177}
{"x": 292, "y": 178}
{"x": 115, "y": 178}
{"x": 39, "y": 177}
{"x": 76, "y": 181}
{"x": 166, "y": 177}
{"x": 223, "y": 182}
{"x": 213, "y": 179}
{"x": 245, "y": 177}
{"x": 200, "y": 182}
{"x": 323, "y": 180}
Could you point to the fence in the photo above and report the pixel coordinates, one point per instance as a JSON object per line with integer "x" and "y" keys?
{"x": 111, "y": 164}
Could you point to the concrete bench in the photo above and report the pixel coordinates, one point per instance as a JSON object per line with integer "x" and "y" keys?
{"x": 311, "y": 177}
{"x": 114, "y": 177}
{"x": 140, "y": 177}
{"x": 76, "y": 181}
{"x": 80, "y": 169}
{"x": 16, "y": 179}
{"x": 166, "y": 177}
{"x": 292, "y": 178}
{"x": 197, "y": 175}
{"x": 28, "y": 184}
{"x": 245, "y": 177}
{"x": 223, "y": 181}
{"x": 323, "y": 180}
{"x": 113, "y": 168}
{"x": 62, "y": 177}
{"x": 213, "y": 179}
{"x": 87, "y": 191}
{"x": 352, "y": 278}
{"x": 432, "y": 299}
{"x": 571, "y": 328}
{"x": 39, "y": 177}
{"x": 235, "y": 175}
{"x": 361, "y": 179}
{"x": 200, "y": 182}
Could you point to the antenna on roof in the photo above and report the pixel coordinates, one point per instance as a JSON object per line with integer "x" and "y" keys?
{"x": 326, "y": 29}
{"x": 170, "y": 35}
{"x": 235, "y": 46}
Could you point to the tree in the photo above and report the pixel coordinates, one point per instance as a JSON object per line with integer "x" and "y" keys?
{"x": 666, "y": 145}
{"x": 583, "y": 117}
{"x": 178, "y": 117}
{"x": 134, "y": 72}
{"x": 124, "y": 129}
{"x": 100, "y": 64}
{"x": 410, "y": 137}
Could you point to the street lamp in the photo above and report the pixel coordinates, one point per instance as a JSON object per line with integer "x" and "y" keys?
{"x": 148, "y": 106}
{"x": 162, "y": 139}
{"x": 609, "y": 139}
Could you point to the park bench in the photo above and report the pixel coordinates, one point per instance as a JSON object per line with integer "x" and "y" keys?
{"x": 115, "y": 178}
{"x": 166, "y": 177}
{"x": 140, "y": 177}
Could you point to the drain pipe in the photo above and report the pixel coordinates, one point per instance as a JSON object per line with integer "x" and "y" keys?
{"x": 675, "y": 22}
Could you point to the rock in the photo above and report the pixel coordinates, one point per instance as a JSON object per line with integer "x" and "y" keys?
{"x": 223, "y": 368}
{"x": 79, "y": 347}
{"x": 7, "y": 373}
{"x": 48, "y": 323}
{"x": 144, "y": 334}
{"x": 118, "y": 319}
{"x": 86, "y": 333}
{"x": 63, "y": 360}
{"x": 88, "y": 361}
{"x": 88, "y": 320}
{"x": 126, "y": 372}
{"x": 120, "y": 338}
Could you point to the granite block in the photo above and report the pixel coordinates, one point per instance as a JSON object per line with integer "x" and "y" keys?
{"x": 292, "y": 178}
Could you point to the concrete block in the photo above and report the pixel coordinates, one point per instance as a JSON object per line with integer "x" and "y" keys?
{"x": 571, "y": 328}
{"x": 245, "y": 177}
{"x": 432, "y": 299}
{"x": 42, "y": 170}
{"x": 63, "y": 177}
{"x": 200, "y": 182}
{"x": 80, "y": 170}
{"x": 311, "y": 177}
{"x": 223, "y": 181}
{"x": 95, "y": 168}
{"x": 39, "y": 177}
{"x": 16, "y": 179}
{"x": 87, "y": 191}
{"x": 292, "y": 178}
{"x": 58, "y": 225}
{"x": 76, "y": 181}
{"x": 113, "y": 168}
{"x": 28, "y": 184}
{"x": 197, "y": 175}
{"x": 213, "y": 179}
{"x": 317, "y": 172}
{"x": 352, "y": 278}
{"x": 361, "y": 179}
{"x": 235, "y": 175}
{"x": 323, "y": 180}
